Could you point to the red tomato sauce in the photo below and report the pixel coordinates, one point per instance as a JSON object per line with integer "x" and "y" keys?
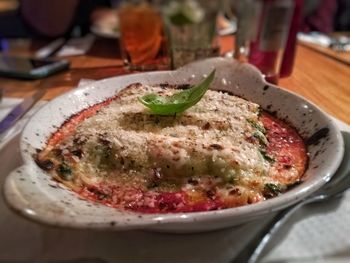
{"x": 286, "y": 146}
{"x": 148, "y": 202}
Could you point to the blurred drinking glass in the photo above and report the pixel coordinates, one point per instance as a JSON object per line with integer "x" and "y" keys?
{"x": 142, "y": 41}
{"x": 191, "y": 29}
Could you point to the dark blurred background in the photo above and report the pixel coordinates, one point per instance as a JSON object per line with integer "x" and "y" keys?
{"x": 55, "y": 18}
{"x": 49, "y": 18}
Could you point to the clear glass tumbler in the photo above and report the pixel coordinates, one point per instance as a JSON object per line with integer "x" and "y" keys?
{"x": 191, "y": 29}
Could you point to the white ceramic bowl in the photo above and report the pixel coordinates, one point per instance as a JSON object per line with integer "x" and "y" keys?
{"x": 32, "y": 193}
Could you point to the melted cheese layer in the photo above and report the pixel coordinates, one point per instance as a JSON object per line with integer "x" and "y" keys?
{"x": 208, "y": 138}
{"x": 209, "y": 157}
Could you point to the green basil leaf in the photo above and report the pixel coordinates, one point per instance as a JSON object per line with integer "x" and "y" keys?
{"x": 178, "y": 102}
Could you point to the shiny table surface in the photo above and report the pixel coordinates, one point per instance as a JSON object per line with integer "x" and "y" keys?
{"x": 317, "y": 77}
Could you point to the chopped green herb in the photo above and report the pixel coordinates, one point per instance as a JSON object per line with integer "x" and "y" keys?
{"x": 261, "y": 137}
{"x": 231, "y": 176}
{"x": 257, "y": 126}
{"x": 266, "y": 156}
{"x": 177, "y": 102}
{"x": 64, "y": 171}
{"x": 181, "y": 13}
{"x": 271, "y": 190}
{"x": 107, "y": 152}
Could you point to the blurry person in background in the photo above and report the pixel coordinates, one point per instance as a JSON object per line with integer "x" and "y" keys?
{"x": 51, "y": 18}
{"x": 319, "y": 15}
{"x": 326, "y": 16}
{"x": 56, "y": 18}
{"x": 48, "y": 18}
{"x": 342, "y": 22}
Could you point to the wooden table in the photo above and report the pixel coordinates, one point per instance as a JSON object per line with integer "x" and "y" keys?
{"x": 319, "y": 78}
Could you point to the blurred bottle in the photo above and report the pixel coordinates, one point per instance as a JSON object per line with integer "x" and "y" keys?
{"x": 248, "y": 13}
{"x": 289, "y": 53}
{"x": 266, "y": 50}
{"x": 262, "y": 34}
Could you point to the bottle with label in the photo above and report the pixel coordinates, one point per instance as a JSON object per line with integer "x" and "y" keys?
{"x": 268, "y": 44}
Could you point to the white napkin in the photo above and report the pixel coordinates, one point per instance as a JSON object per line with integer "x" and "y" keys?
{"x": 316, "y": 234}
{"x": 6, "y": 105}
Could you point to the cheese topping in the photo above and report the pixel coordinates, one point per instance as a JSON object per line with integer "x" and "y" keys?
{"x": 212, "y": 156}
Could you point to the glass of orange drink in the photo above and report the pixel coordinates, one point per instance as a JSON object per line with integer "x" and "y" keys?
{"x": 142, "y": 39}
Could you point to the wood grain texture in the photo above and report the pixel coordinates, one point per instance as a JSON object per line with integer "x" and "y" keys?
{"x": 341, "y": 56}
{"x": 319, "y": 78}
{"x": 322, "y": 80}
